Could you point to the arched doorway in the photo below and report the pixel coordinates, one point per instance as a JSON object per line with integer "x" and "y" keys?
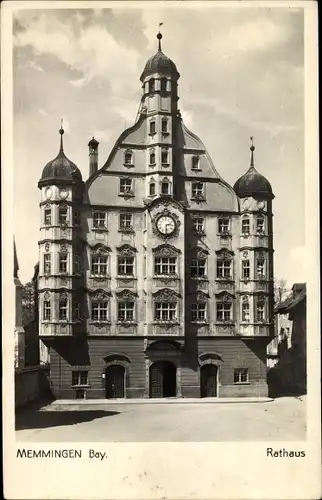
{"x": 163, "y": 379}
{"x": 208, "y": 381}
{"x": 114, "y": 381}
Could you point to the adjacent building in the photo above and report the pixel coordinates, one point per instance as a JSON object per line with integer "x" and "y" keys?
{"x": 155, "y": 275}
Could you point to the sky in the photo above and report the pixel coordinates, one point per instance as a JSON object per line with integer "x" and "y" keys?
{"x": 242, "y": 75}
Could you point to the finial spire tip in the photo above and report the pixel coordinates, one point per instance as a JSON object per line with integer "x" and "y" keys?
{"x": 159, "y": 37}
{"x": 252, "y": 149}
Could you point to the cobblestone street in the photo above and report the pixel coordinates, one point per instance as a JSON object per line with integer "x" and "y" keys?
{"x": 281, "y": 419}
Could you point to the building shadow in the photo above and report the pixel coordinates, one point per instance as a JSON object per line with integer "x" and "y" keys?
{"x": 31, "y": 419}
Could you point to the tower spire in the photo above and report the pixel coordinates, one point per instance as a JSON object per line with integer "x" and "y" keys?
{"x": 252, "y": 149}
{"x": 61, "y": 131}
{"x": 159, "y": 37}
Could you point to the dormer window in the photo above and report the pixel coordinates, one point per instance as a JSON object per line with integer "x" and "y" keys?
{"x": 152, "y": 127}
{"x": 152, "y": 158}
{"x": 163, "y": 84}
{"x": 195, "y": 163}
{"x": 164, "y": 157}
{"x": 128, "y": 158}
{"x": 152, "y": 85}
{"x": 164, "y": 126}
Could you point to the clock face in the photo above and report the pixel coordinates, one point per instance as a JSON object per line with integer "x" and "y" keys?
{"x": 166, "y": 224}
{"x": 63, "y": 193}
{"x": 49, "y": 193}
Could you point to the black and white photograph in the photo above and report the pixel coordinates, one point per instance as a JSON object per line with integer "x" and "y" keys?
{"x": 160, "y": 252}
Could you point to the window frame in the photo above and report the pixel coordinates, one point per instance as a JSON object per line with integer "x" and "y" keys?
{"x": 245, "y": 302}
{"x": 165, "y": 183}
{"x": 126, "y": 264}
{"x": 77, "y": 376}
{"x": 124, "y": 227}
{"x": 63, "y": 306}
{"x": 240, "y": 373}
{"x": 99, "y": 219}
{"x": 169, "y": 307}
{"x": 195, "y": 262}
{"x": 128, "y": 153}
{"x": 195, "y": 306}
{"x": 102, "y": 310}
{"x": 222, "y": 223}
{"x": 125, "y": 190}
{"x": 195, "y": 163}
{"x": 198, "y": 193}
{"x": 260, "y": 310}
{"x": 164, "y": 156}
{"x": 221, "y": 318}
{"x": 47, "y": 307}
{"x": 222, "y": 261}
{"x": 151, "y": 85}
{"x": 47, "y": 211}
{"x": 162, "y": 264}
{"x": 131, "y": 312}
{"x": 260, "y": 230}
{"x": 63, "y": 259}
{"x": 47, "y": 265}
{"x": 152, "y": 127}
{"x": 243, "y": 231}
{"x": 261, "y": 275}
{"x": 195, "y": 222}
{"x": 99, "y": 265}
{"x": 243, "y": 268}
{"x": 62, "y": 210}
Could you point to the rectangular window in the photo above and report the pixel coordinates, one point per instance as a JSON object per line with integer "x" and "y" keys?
{"x": 260, "y": 268}
{"x": 260, "y": 310}
{"x": 165, "y": 311}
{"x": 224, "y": 311}
{"x": 224, "y": 268}
{"x": 125, "y": 186}
{"x": 76, "y": 218}
{"x": 128, "y": 158}
{"x": 76, "y": 259}
{"x": 77, "y": 311}
{"x": 164, "y": 157}
{"x": 63, "y": 260}
{"x": 125, "y": 266}
{"x": 47, "y": 263}
{"x": 47, "y": 216}
{"x": 152, "y": 127}
{"x": 63, "y": 305}
{"x": 241, "y": 375}
{"x": 197, "y": 268}
{"x": 62, "y": 216}
{"x": 245, "y": 226}
{"x": 165, "y": 187}
{"x": 223, "y": 225}
{"x": 245, "y": 269}
{"x": 197, "y": 190}
{"x": 47, "y": 310}
{"x": 99, "y": 219}
{"x": 126, "y": 222}
{"x": 198, "y": 312}
{"x": 165, "y": 265}
{"x": 99, "y": 311}
{"x": 195, "y": 163}
{"x": 245, "y": 312}
{"x": 80, "y": 378}
{"x": 125, "y": 311}
{"x": 260, "y": 225}
{"x": 152, "y": 158}
{"x": 164, "y": 126}
{"x": 99, "y": 265}
{"x": 198, "y": 224}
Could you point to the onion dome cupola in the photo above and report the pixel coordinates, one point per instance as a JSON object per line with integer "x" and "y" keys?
{"x": 252, "y": 183}
{"x": 160, "y": 63}
{"x": 61, "y": 169}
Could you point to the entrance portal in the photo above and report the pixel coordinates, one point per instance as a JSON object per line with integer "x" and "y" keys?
{"x": 163, "y": 379}
{"x": 114, "y": 382}
{"x": 208, "y": 381}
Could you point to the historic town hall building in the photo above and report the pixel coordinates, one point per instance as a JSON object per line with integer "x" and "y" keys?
{"x": 156, "y": 276}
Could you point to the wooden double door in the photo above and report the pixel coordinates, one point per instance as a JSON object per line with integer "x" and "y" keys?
{"x": 114, "y": 381}
{"x": 163, "y": 375}
{"x": 208, "y": 381}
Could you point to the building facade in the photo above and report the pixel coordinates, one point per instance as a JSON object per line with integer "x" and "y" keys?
{"x": 156, "y": 276}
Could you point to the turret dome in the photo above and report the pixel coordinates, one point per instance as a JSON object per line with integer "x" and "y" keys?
{"x": 160, "y": 63}
{"x": 60, "y": 169}
{"x": 252, "y": 183}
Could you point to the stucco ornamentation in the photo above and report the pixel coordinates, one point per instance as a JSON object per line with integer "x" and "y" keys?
{"x": 126, "y": 250}
{"x": 126, "y": 295}
{"x": 166, "y": 250}
{"x": 166, "y": 294}
{"x": 164, "y": 213}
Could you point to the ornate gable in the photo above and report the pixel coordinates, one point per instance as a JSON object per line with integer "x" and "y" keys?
{"x": 166, "y": 294}
{"x": 126, "y": 250}
{"x": 166, "y": 250}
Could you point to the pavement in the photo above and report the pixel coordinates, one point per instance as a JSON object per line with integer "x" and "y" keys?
{"x": 174, "y": 420}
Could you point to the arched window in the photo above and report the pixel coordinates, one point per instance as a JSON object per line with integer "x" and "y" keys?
{"x": 152, "y": 189}
{"x": 164, "y": 126}
{"x": 151, "y": 85}
{"x": 152, "y": 157}
{"x": 163, "y": 84}
{"x": 152, "y": 127}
